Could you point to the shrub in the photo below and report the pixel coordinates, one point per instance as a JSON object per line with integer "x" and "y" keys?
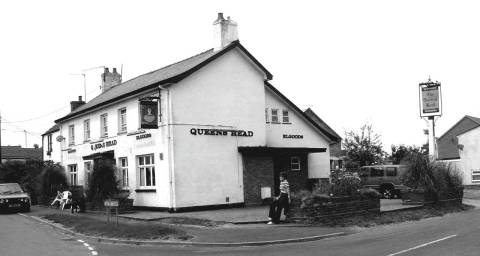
{"x": 439, "y": 180}
{"x": 103, "y": 182}
{"x": 52, "y": 179}
{"x": 23, "y": 173}
{"x": 344, "y": 184}
{"x": 369, "y": 193}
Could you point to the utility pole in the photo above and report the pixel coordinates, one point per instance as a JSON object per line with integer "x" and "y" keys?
{"x": 25, "y": 131}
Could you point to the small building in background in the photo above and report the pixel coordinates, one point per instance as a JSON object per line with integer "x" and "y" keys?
{"x": 17, "y": 153}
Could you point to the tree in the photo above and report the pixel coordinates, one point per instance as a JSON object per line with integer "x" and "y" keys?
{"x": 103, "y": 182}
{"x": 51, "y": 180}
{"x": 365, "y": 147}
{"x": 401, "y": 153}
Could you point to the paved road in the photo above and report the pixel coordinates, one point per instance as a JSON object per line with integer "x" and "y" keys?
{"x": 455, "y": 234}
{"x": 20, "y": 236}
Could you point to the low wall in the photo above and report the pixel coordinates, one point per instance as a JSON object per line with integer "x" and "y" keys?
{"x": 334, "y": 207}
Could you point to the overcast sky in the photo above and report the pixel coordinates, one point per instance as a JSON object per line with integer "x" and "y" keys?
{"x": 352, "y": 62}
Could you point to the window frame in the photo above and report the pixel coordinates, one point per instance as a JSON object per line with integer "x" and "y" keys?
{"x": 49, "y": 144}
{"x": 475, "y": 173}
{"x": 71, "y": 135}
{"x": 287, "y": 116}
{"x": 104, "y": 125}
{"x": 274, "y": 116}
{"x": 122, "y": 127}
{"x": 123, "y": 175}
{"x": 86, "y": 130}
{"x": 87, "y": 172}
{"x": 142, "y": 181}
{"x": 73, "y": 174}
{"x": 388, "y": 171}
{"x": 267, "y": 116}
{"x": 295, "y": 166}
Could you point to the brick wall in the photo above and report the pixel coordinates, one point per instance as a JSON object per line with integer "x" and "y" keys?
{"x": 297, "y": 180}
{"x": 257, "y": 173}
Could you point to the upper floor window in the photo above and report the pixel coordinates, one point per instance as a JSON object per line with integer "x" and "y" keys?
{"x": 266, "y": 115}
{"x": 285, "y": 118}
{"x": 274, "y": 116}
{"x": 104, "y": 125}
{"x": 49, "y": 144}
{"x": 71, "y": 135}
{"x": 122, "y": 120}
{"x": 86, "y": 130}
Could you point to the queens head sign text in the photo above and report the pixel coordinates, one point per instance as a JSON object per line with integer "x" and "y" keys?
{"x": 430, "y": 99}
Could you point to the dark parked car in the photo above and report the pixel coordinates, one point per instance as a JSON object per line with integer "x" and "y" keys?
{"x": 384, "y": 178}
{"x": 12, "y": 198}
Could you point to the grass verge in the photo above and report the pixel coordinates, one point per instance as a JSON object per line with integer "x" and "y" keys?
{"x": 392, "y": 217}
{"x": 191, "y": 221}
{"x": 95, "y": 227}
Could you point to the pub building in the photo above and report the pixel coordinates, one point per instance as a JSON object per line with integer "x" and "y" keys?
{"x": 208, "y": 131}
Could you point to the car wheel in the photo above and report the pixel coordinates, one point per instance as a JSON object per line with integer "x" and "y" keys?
{"x": 388, "y": 193}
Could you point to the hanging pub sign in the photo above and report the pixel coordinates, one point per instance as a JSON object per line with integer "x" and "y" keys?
{"x": 148, "y": 114}
{"x": 430, "y": 99}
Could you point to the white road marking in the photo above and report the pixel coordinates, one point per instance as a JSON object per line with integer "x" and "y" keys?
{"x": 422, "y": 245}
{"x": 81, "y": 241}
{"x": 94, "y": 253}
{"x": 87, "y": 245}
{"x": 90, "y": 248}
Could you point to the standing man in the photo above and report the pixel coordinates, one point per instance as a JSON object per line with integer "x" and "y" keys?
{"x": 280, "y": 202}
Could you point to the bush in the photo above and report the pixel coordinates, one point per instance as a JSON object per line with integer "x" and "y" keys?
{"x": 103, "y": 182}
{"x": 344, "y": 184}
{"x": 439, "y": 180}
{"x": 52, "y": 179}
{"x": 23, "y": 173}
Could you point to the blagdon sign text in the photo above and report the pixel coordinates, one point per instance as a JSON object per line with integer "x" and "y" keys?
{"x": 103, "y": 144}
{"x": 220, "y": 132}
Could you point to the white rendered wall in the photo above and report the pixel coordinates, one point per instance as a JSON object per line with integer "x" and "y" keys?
{"x": 55, "y": 155}
{"x": 469, "y": 156}
{"x": 127, "y": 146}
{"x": 318, "y": 163}
{"x": 226, "y": 94}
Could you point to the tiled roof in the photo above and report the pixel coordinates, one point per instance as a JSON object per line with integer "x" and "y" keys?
{"x": 17, "y": 152}
{"x": 309, "y": 112}
{"x": 52, "y": 130}
{"x": 447, "y": 144}
{"x": 166, "y": 75}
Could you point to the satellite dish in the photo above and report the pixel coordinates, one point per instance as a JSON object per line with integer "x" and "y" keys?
{"x": 60, "y": 138}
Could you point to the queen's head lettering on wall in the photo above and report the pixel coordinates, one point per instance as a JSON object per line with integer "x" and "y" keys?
{"x": 149, "y": 114}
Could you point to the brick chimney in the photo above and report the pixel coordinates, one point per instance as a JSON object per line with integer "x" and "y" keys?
{"x": 224, "y": 32}
{"x": 75, "y": 104}
{"x": 110, "y": 79}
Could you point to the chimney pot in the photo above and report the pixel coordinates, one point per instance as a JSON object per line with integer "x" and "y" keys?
{"x": 224, "y": 32}
{"x": 79, "y": 98}
{"x": 110, "y": 80}
{"x": 220, "y": 16}
{"x": 114, "y": 70}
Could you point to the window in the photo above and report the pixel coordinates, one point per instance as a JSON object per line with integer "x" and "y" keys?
{"x": 285, "y": 118}
{"x": 475, "y": 175}
{"x": 71, "y": 135}
{"x": 72, "y": 171}
{"x": 376, "y": 172}
{"x": 295, "y": 163}
{"x": 266, "y": 115}
{"x": 49, "y": 144}
{"x": 86, "y": 130}
{"x": 104, "y": 125}
{"x": 146, "y": 170}
{"x": 123, "y": 171}
{"x": 391, "y": 171}
{"x": 122, "y": 120}
{"x": 88, "y": 172}
{"x": 274, "y": 116}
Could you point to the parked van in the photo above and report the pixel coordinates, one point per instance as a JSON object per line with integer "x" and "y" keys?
{"x": 384, "y": 178}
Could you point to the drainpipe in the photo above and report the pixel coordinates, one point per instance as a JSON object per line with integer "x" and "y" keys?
{"x": 171, "y": 174}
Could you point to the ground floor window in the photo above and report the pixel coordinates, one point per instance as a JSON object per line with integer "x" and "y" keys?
{"x": 146, "y": 170}
{"x": 295, "y": 163}
{"x": 475, "y": 175}
{"x": 72, "y": 171}
{"x": 123, "y": 171}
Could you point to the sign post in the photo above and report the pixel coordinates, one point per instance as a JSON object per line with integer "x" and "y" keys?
{"x": 430, "y": 96}
{"x": 109, "y": 203}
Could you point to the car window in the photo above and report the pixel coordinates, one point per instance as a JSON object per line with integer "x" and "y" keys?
{"x": 376, "y": 172}
{"x": 391, "y": 171}
{"x": 363, "y": 172}
{"x": 10, "y": 188}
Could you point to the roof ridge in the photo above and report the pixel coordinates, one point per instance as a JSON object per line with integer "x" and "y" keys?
{"x": 475, "y": 119}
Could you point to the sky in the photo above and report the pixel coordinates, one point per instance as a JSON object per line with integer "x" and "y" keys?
{"x": 352, "y": 62}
